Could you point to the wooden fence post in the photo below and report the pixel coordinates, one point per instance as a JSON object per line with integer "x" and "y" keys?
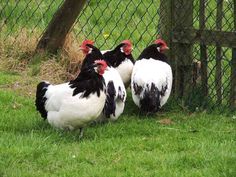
{"x": 218, "y": 76}
{"x": 183, "y": 19}
{"x": 233, "y": 69}
{"x": 233, "y": 80}
{"x": 61, "y": 23}
{"x": 203, "y": 50}
{"x": 165, "y": 22}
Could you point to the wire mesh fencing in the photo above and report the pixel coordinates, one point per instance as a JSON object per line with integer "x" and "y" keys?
{"x": 206, "y": 28}
{"x": 31, "y": 17}
{"x": 106, "y": 22}
{"x": 110, "y": 22}
{"x": 199, "y": 32}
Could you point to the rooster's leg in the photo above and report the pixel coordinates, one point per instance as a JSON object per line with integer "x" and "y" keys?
{"x": 81, "y": 133}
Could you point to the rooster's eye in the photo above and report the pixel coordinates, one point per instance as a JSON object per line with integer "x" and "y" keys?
{"x": 122, "y": 49}
{"x": 90, "y": 50}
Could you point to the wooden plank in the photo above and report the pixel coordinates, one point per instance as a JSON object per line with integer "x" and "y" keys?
{"x": 218, "y": 74}
{"x": 207, "y": 37}
{"x": 203, "y": 50}
{"x": 233, "y": 69}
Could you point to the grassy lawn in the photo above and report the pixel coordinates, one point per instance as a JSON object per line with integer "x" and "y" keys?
{"x": 171, "y": 143}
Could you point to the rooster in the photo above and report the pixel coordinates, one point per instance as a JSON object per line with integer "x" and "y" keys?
{"x": 151, "y": 79}
{"x": 121, "y": 59}
{"x": 116, "y": 93}
{"x": 74, "y": 104}
{"x": 115, "y": 96}
{"x": 91, "y": 53}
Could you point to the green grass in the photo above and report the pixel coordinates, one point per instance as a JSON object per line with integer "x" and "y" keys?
{"x": 10, "y": 77}
{"x": 197, "y": 144}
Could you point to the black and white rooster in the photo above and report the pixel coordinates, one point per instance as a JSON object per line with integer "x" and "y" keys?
{"x": 151, "y": 79}
{"x": 121, "y": 59}
{"x": 116, "y": 93}
{"x": 63, "y": 88}
{"x": 115, "y": 89}
{"x": 74, "y": 104}
{"x": 91, "y": 53}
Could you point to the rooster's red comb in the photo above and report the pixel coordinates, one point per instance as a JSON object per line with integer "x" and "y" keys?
{"x": 87, "y": 41}
{"x": 159, "y": 41}
{"x": 128, "y": 42}
{"x": 101, "y": 62}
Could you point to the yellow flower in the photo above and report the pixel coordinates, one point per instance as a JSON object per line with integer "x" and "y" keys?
{"x": 106, "y": 35}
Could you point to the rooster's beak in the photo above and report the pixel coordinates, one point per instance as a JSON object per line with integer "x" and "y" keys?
{"x": 82, "y": 48}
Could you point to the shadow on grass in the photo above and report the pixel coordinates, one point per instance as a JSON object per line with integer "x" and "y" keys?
{"x": 132, "y": 123}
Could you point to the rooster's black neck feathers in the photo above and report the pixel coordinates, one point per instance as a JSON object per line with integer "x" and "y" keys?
{"x": 87, "y": 82}
{"x": 152, "y": 52}
{"x": 91, "y": 57}
{"x": 115, "y": 57}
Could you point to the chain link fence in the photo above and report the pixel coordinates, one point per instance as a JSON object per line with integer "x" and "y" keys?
{"x": 203, "y": 36}
{"x": 218, "y": 16}
{"x": 106, "y": 22}
{"x": 110, "y": 22}
{"x": 192, "y": 32}
{"x": 18, "y": 16}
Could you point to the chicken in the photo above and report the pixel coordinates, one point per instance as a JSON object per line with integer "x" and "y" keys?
{"x": 74, "y": 107}
{"x": 151, "y": 79}
{"x": 91, "y": 52}
{"x": 115, "y": 96}
{"x": 116, "y": 93}
{"x": 122, "y": 60}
